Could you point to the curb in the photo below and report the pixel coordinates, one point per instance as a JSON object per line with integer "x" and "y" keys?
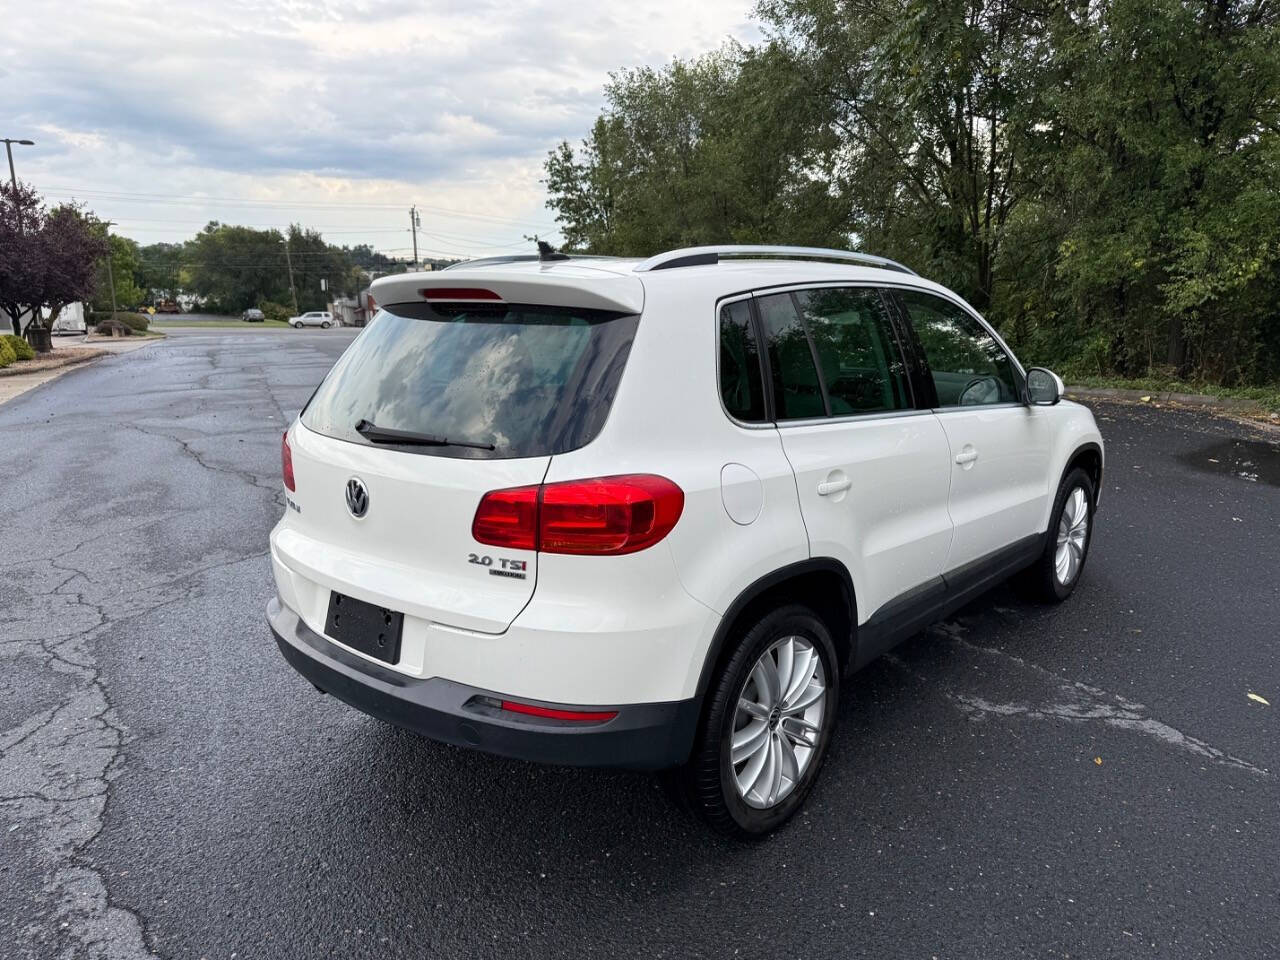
{"x": 1203, "y": 400}
{"x": 15, "y": 370}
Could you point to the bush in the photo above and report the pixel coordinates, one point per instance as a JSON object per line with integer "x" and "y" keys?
{"x": 7, "y": 356}
{"x": 114, "y": 327}
{"x": 137, "y": 322}
{"x": 21, "y": 349}
{"x": 274, "y": 311}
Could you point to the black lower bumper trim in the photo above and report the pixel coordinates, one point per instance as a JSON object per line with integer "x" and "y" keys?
{"x": 643, "y": 736}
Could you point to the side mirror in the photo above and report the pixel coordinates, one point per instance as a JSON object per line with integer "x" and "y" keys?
{"x": 1044, "y": 387}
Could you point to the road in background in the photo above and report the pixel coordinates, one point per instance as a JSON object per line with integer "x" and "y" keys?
{"x": 1088, "y": 780}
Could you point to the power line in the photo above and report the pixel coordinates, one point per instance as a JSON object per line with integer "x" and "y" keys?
{"x": 190, "y": 199}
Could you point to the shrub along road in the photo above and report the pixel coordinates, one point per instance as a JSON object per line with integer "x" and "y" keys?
{"x": 1092, "y": 780}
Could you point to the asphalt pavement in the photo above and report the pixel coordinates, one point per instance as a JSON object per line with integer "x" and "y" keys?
{"x": 1092, "y": 780}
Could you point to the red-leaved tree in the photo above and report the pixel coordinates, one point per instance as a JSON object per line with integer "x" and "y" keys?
{"x": 47, "y": 257}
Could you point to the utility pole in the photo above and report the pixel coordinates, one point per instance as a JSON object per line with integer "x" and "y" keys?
{"x": 293, "y": 292}
{"x": 414, "y": 224}
{"x": 111, "y": 277}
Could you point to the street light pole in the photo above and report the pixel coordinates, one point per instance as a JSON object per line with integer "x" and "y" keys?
{"x": 8, "y": 149}
{"x": 17, "y": 209}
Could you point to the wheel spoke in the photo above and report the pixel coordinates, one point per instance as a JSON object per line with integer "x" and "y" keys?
{"x": 786, "y": 662}
{"x": 750, "y": 774}
{"x": 805, "y": 699}
{"x": 775, "y": 770}
{"x": 799, "y": 737}
{"x": 752, "y": 709}
{"x": 749, "y": 739}
{"x": 790, "y": 766}
{"x": 766, "y": 678}
{"x": 806, "y": 664}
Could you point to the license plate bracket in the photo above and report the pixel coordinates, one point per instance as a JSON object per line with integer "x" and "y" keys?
{"x": 366, "y": 627}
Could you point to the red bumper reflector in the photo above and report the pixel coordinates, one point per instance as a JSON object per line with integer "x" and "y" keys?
{"x": 582, "y": 716}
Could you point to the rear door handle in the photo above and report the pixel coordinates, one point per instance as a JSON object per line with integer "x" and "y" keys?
{"x": 828, "y": 487}
{"x": 967, "y": 456}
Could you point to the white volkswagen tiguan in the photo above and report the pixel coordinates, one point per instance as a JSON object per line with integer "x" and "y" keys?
{"x": 648, "y": 513}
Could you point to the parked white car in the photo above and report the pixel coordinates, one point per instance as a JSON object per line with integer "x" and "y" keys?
{"x": 313, "y": 318}
{"x": 648, "y": 513}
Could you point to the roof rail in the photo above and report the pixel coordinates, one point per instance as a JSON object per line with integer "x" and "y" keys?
{"x": 698, "y": 256}
{"x": 486, "y": 261}
{"x": 527, "y": 258}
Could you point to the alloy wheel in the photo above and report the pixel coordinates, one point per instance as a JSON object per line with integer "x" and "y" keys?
{"x": 1073, "y": 532}
{"x": 778, "y": 722}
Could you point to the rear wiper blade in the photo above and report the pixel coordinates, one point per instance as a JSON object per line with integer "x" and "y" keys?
{"x": 376, "y": 434}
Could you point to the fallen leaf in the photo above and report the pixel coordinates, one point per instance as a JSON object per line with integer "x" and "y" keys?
{"x": 1211, "y": 460}
{"x": 1145, "y": 399}
{"x": 1098, "y": 761}
{"x": 1257, "y": 699}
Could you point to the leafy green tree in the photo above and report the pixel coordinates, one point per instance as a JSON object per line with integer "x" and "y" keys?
{"x": 124, "y": 264}
{"x": 233, "y": 268}
{"x": 159, "y": 270}
{"x": 1160, "y": 161}
{"x": 726, "y": 148}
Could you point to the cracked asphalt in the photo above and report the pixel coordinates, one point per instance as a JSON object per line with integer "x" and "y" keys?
{"x": 1091, "y": 780}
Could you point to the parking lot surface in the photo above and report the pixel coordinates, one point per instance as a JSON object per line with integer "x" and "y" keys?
{"x": 1092, "y": 780}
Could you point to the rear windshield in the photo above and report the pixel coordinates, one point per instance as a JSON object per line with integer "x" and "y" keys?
{"x": 528, "y": 380}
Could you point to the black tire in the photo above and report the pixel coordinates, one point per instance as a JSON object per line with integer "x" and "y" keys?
{"x": 1040, "y": 580}
{"x": 325, "y": 325}
{"x": 706, "y": 782}
{"x": 298, "y": 325}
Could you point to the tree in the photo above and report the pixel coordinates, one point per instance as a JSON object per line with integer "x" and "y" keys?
{"x": 46, "y": 257}
{"x": 158, "y": 270}
{"x": 725, "y": 148}
{"x": 1163, "y": 154}
{"x": 124, "y": 267}
{"x": 1097, "y": 176}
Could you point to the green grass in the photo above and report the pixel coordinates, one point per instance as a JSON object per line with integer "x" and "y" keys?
{"x": 177, "y": 321}
{"x": 1268, "y": 397}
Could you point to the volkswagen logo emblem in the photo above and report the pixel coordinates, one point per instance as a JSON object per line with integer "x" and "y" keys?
{"x": 357, "y": 497}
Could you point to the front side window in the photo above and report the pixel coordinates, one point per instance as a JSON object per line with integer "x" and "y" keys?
{"x": 527, "y": 381}
{"x": 852, "y": 335}
{"x": 968, "y": 366}
{"x": 741, "y": 385}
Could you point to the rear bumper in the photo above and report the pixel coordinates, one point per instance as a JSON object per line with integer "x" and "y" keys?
{"x": 643, "y": 736}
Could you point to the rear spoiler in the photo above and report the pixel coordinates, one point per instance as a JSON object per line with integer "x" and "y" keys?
{"x": 564, "y": 285}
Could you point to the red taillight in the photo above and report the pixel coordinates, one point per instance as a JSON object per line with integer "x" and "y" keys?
{"x": 286, "y": 461}
{"x": 582, "y": 716}
{"x": 602, "y": 516}
{"x": 508, "y": 518}
{"x": 608, "y": 515}
{"x": 457, "y": 293}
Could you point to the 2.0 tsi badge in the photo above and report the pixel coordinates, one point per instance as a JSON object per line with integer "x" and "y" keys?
{"x": 357, "y": 497}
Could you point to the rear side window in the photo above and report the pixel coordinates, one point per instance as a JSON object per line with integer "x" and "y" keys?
{"x": 741, "y": 385}
{"x": 530, "y": 380}
{"x": 968, "y": 366}
{"x": 853, "y": 338}
{"x": 797, "y": 392}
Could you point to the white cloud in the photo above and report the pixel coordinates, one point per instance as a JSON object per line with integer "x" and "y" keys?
{"x": 450, "y": 105}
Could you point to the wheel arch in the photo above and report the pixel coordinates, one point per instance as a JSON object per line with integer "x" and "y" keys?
{"x": 1089, "y": 457}
{"x": 822, "y": 583}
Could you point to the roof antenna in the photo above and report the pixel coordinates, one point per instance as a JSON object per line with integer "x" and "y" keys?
{"x": 547, "y": 253}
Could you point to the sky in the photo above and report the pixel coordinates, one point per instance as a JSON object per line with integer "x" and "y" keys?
{"x": 337, "y": 115}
